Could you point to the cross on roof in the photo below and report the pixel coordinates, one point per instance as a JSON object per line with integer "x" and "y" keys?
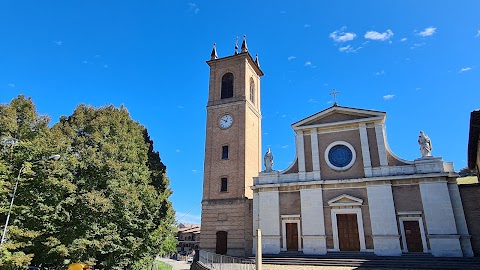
{"x": 334, "y": 93}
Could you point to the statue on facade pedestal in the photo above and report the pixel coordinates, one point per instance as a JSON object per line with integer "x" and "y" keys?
{"x": 268, "y": 160}
{"x": 425, "y": 145}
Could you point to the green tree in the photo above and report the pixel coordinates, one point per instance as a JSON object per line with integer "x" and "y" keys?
{"x": 105, "y": 202}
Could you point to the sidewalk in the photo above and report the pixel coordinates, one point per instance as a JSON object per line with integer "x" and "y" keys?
{"x": 177, "y": 265}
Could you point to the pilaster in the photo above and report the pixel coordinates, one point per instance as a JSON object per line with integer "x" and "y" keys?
{"x": 460, "y": 220}
{"x": 315, "y": 154}
{"x": 439, "y": 218}
{"x": 383, "y": 220}
{"x": 367, "y": 163}
{"x": 313, "y": 222}
{"x": 300, "y": 154}
{"x": 269, "y": 221}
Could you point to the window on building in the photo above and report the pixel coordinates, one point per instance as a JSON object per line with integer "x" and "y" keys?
{"x": 225, "y": 152}
{"x": 252, "y": 91}
{"x": 224, "y": 184}
{"x": 227, "y": 86}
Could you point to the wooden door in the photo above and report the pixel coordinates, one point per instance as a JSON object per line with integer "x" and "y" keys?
{"x": 292, "y": 236}
{"x": 221, "y": 246}
{"x": 413, "y": 236}
{"x": 348, "y": 237}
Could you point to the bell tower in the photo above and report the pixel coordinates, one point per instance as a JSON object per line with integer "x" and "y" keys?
{"x": 232, "y": 152}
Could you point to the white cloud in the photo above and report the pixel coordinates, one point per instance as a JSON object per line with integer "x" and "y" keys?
{"x": 194, "y": 171}
{"x": 291, "y": 58}
{"x": 312, "y": 100}
{"x": 341, "y": 36}
{"x": 308, "y": 63}
{"x": 378, "y": 73}
{"x": 427, "y": 32}
{"x": 58, "y": 42}
{"x": 374, "y": 35}
{"x": 388, "y": 97}
{"x": 465, "y": 69}
{"x": 193, "y": 8}
{"x": 180, "y": 107}
{"x": 417, "y": 45}
{"x": 478, "y": 34}
{"x": 12, "y": 85}
{"x": 306, "y": 25}
{"x": 284, "y": 146}
{"x": 403, "y": 39}
{"x": 178, "y": 150}
{"x": 349, "y": 49}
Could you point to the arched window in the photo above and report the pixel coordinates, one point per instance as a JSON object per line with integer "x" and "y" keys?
{"x": 227, "y": 86}
{"x": 221, "y": 245}
{"x": 252, "y": 91}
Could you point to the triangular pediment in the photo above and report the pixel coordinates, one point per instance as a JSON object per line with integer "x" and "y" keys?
{"x": 345, "y": 200}
{"x": 339, "y": 115}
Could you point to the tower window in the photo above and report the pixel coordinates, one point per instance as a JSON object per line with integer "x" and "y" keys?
{"x": 252, "y": 91}
{"x": 227, "y": 86}
{"x": 225, "y": 152}
{"x": 224, "y": 184}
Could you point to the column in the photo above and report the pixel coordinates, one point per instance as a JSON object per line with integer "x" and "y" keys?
{"x": 440, "y": 220}
{"x": 386, "y": 240}
{"x": 313, "y": 222}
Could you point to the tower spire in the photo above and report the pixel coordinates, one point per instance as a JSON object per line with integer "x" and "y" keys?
{"x": 257, "y": 61}
{"x": 214, "y": 55}
{"x": 244, "y": 44}
{"x": 236, "y": 45}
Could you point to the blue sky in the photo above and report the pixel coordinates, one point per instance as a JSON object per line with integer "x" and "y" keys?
{"x": 418, "y": 61}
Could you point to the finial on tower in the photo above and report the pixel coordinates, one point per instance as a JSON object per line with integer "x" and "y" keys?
{"x": 334, "y": 94}
{"x": 236, "y": 45}
{"x": 244, "y": 44}
{"x": 214, "y": 55}
{"x": 256, "y": 60}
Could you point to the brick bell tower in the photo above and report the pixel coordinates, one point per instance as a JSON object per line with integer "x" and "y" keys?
{"x": 232, "y": 152}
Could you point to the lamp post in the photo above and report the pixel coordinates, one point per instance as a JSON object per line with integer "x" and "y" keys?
{"x": 54, "y": 157}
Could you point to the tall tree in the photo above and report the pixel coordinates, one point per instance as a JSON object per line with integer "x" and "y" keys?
{"x": 106, "y": 201}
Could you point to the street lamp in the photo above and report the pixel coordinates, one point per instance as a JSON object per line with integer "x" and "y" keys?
{"x": 54, "y": 157}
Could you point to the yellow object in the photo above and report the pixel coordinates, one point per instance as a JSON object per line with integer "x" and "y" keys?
{"x": 78, "y": 266}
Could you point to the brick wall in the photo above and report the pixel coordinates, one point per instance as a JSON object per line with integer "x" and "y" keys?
{"x": 471, "y": 206}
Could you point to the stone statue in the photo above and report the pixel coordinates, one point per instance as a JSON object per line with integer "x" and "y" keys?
{"x": 425, "y": 145}
{"x": 268, "y": 160}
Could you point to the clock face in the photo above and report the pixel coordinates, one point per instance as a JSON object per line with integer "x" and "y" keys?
{"x": 226, "y": 121}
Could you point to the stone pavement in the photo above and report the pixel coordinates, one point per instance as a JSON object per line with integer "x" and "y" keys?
{"x": 177, "y": 265}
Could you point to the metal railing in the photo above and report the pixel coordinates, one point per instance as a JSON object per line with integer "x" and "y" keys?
{"x": 222, "y": 262}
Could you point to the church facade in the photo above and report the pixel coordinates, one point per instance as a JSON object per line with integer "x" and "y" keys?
{"x": 345, "y": 191}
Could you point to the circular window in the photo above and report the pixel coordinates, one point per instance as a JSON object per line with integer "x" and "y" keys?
{"x": 340, "y": 155}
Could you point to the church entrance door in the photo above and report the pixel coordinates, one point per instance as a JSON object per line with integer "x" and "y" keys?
{"x": 413, "y": 236}
{"x": 348, "y": 237}
{"x": 221, "y": 246}
{"x": 292, "y": 236}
